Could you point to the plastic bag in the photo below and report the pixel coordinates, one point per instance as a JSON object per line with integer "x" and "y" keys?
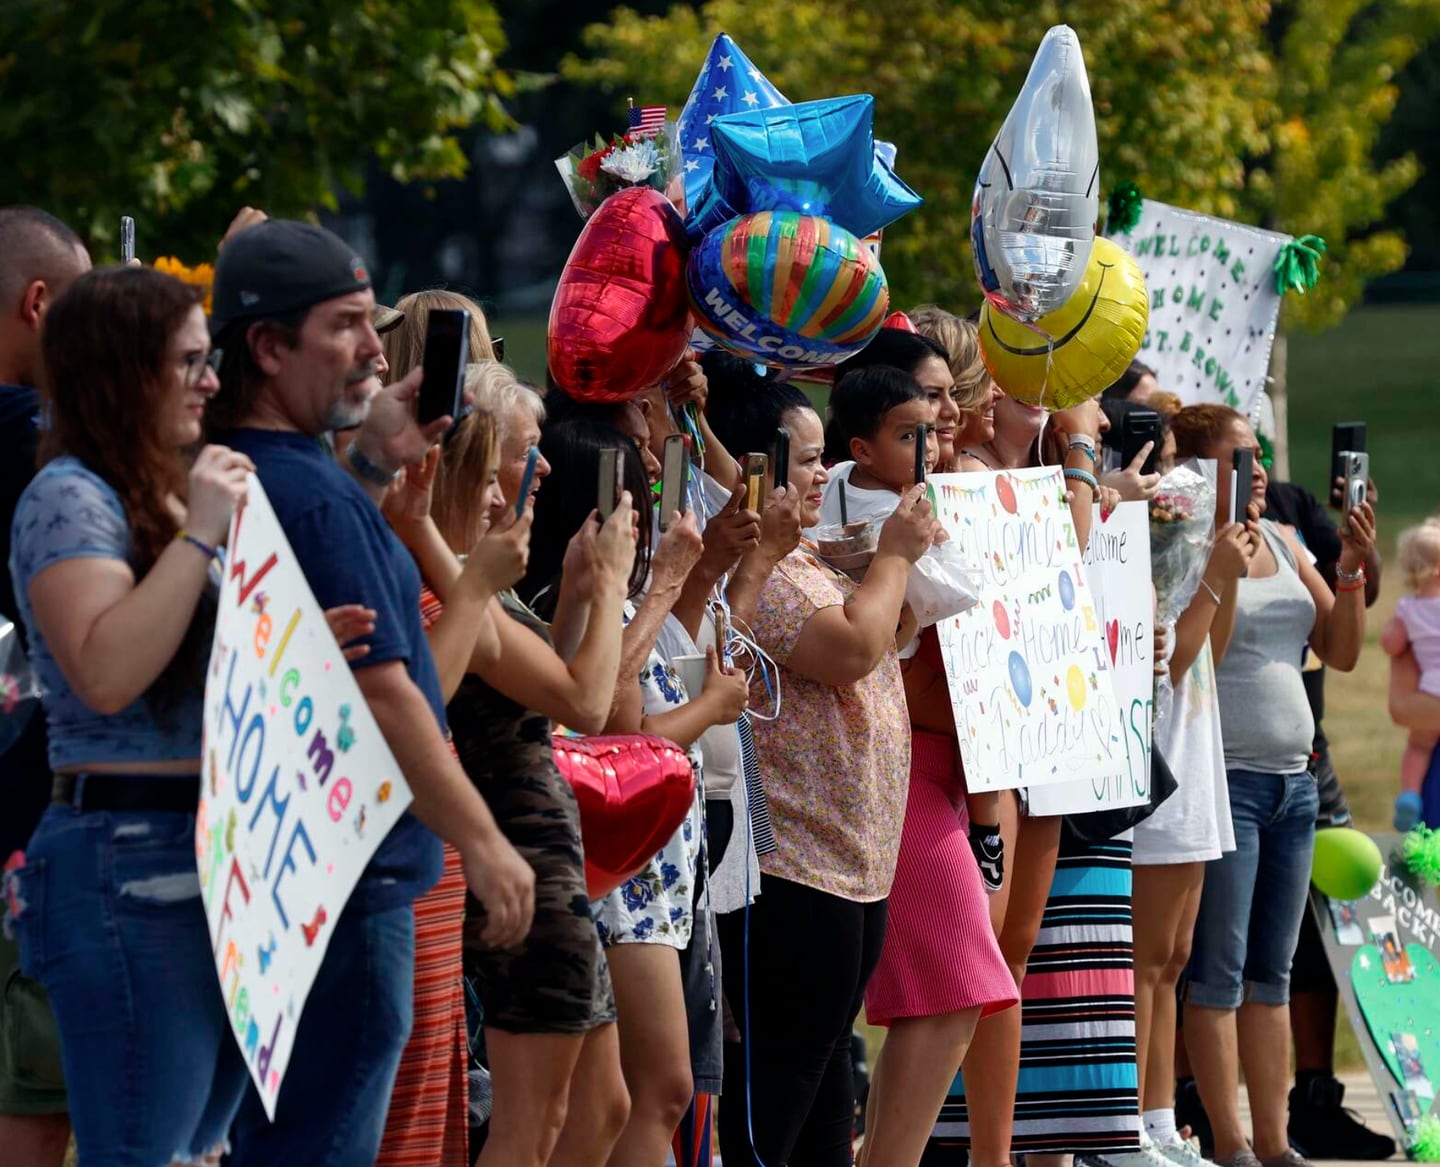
{"x": 941, "y": 585}
{"x": 1182, "y": 530}
{"x": 19, "y": 690}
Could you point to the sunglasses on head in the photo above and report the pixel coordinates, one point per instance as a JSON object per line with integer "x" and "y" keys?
{"x": 497, "y": 346}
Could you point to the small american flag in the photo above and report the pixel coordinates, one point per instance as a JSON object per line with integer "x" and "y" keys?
{"x": 647, "y": 120}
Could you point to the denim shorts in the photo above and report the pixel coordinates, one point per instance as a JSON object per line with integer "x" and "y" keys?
{"x": 1254, "y": 897}
{"x": 110, "y": 922}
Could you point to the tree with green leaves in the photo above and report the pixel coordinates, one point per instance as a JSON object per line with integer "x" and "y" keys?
{"x": 1249, "y": 110}
{"x": 179, "y": 114}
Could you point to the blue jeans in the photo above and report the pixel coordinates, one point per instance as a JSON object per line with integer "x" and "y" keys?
{"x": 333, "y": 1102}
{"x": 110, "y": 922}
{"x": 1254, "y": 897}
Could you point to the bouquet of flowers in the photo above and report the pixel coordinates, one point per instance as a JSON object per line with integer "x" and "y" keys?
{"x": 592, "y": 172}
{"x": 1182, "y": 526}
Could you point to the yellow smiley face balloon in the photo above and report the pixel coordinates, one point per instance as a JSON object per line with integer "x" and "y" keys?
{"x": 1082, "y": 346}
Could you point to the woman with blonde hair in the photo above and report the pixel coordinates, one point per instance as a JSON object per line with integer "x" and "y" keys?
{"x": 405, "y": 343}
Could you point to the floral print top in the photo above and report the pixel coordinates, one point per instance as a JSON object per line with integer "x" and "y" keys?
{"x": 657, "y": 905}
{"x": 836, "y": 763}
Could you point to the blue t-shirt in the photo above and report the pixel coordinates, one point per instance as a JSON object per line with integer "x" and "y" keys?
{"x": 350, "y": 556}
{"x": 69, "y": 512}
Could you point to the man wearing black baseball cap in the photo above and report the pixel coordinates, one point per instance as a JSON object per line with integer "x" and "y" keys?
{"x": 293, "y": 313}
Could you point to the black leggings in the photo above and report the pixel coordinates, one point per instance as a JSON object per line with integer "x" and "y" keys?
{"x": 811, "y": 955}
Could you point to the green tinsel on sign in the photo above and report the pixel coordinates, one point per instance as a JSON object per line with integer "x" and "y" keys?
{"x": 1422, "y": 854}
{"x": 1297, "y": 267}
{"x": 1426, "y": 1146}
{"x": 1123, "y": 212}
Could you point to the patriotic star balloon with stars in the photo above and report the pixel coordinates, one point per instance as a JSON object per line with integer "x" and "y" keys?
{"x": 729, "y": 82}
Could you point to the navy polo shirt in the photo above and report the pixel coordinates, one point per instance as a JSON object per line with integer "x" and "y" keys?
{"x": 350, "y": 555}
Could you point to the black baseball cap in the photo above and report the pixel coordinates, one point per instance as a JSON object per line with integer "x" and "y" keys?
{"x": 281, "y": 265}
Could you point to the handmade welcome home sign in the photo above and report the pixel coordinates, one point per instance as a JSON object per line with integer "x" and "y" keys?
{"x": 1117, "y": 568}
{"x": 1028, "y": 670}
{"x": 1384, "y": 951}
{"x": 1213, "y": 303}
{"x": 298, "y": 790}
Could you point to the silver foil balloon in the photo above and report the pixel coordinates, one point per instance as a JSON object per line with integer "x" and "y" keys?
{"x": 1032, "y": 222}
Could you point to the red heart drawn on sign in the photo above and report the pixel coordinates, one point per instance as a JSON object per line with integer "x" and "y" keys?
{"x": 1112, "y": 634}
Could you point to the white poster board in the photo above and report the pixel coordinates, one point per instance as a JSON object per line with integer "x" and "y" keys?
{"x": 1212, "y": 303}
{"x": 1028, "y": 674}
{"x": 298, "y": 790}
{"x": 1117, "y": 566}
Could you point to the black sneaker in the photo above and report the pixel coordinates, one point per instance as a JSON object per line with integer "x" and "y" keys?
{"x": 1321, "y": 1127}
{"x": 1190, "y": 1111}
{"x": 989, "y": 850}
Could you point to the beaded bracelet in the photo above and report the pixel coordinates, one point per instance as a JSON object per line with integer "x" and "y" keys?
{"x": 1343, "y": 576}
{"x": 186, "y": 537}
{"x": 1083, "y": 476}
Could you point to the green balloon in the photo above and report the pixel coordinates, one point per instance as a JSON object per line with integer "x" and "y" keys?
{"x": 1346, "y": 864}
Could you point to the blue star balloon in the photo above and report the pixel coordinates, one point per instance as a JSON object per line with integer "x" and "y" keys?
{"x": 728, "y": 83}
{"x": 817, "y": 158}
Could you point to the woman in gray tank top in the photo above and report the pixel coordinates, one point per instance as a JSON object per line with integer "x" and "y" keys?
{"x": 1237, "y": 989}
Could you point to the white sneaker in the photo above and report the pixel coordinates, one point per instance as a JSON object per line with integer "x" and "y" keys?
{"x": 1149, "y": 1155}
{"x": 1182, "y": 1154}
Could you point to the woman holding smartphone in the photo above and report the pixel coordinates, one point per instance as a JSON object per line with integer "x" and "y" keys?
{"x": 1237, "y": 989}
{"x": 113, "y": 557}
{"x": 548, "y": 1004}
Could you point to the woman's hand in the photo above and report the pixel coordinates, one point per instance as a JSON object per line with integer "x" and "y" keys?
{"x": 780, "y": 527}
{"x": 1161, "y": 647}
{"x": 615, "y": 542}
{"x": 686, "y": 383}
{"x": 732, "y": 533}
{"x": 678, "y": 552}
{"x": 1357, "y": 538}
{"x": 217, "y": 484}
{"x": 1130, "y": 483}
{"x": 348, "y": 623}
{"x": 1230, "y": 557}
{"x": 727, "y": 690}
{"x": 407, "y": 502}
{"x": 1108, "y": 498}
{"x": 1083, "y": 420}
{"x": 911, "y": 530}
{"x": 498, "y": 559}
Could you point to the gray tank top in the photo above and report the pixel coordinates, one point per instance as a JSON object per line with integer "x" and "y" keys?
{"x": 1265, "y": 717}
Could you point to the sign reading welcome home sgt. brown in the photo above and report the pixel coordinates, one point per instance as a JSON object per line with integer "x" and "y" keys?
{"x": 1212, "y": 303}
{"x": 298, "y": 789}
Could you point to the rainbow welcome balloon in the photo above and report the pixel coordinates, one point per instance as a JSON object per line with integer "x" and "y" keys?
{"x": 788, "y": 290}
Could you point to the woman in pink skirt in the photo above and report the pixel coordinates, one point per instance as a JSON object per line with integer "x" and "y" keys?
{"x": 941, "y": 968}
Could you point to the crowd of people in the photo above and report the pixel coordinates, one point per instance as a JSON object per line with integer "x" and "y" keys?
{"x": 833, "y": 858}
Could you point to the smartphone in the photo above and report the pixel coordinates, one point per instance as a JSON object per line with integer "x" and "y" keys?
{"x": 782, "y": 456}
{"x": 1138, "y": 427}
{"x": 527, "y": 480}
{"x": 922, "y": 439}
{"x": 127, "y": 238}
{"x": 757, "y": 468}
{"x": 1348, "y": 437}
{"x": 447, "y": 352}
{"x": 674, "y": 478}
{"x": 1242, "y": 485}
{"x": 1357, "y": 478}
{"x": 612, "y": 474}
{"x": 722, "y": 634}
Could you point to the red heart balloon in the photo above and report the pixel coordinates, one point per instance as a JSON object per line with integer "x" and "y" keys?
{"x": 634, "y": 792}
{"x": 620, "y": 319}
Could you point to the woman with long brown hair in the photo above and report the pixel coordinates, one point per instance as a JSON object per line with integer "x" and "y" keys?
{"x": 114, "y": 547}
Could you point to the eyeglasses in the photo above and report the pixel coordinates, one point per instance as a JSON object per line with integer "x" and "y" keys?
{"x": 195, "y": 366}
{"x": 497, "y": 346}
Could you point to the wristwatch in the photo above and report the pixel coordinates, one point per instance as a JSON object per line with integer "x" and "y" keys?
{"x": 368, "y": 470}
